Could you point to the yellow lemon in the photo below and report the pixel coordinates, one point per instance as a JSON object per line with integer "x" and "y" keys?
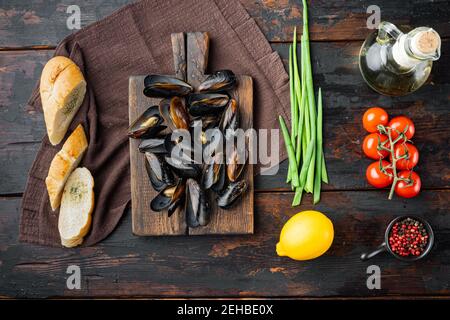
{"x": 305, "y": 236}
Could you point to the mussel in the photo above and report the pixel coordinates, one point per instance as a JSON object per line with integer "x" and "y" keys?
{"x": 218, "y": 81}
{"x": 174, "y": 113}
{"x": 169, "y": 198}
{"x": 147, "y": 124}
{"x": 197, "y": 205}
{"x": 214, "y": 173}
{"x": 158, "y": 171}
{"x": 158, "y": 86}
{"x": 231, "y": 193}
{"x": 178, "y": 147}
{"x": 183, "y": 166}
{"x": 230, "y": 119}
{"x": 235, "y": 164}
{"x": 207, "y": 104}
{"x": 203, "y": 132}
{"x": 154, "y": 145}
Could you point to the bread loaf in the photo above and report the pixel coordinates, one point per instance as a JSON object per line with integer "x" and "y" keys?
{"x": 62, "y": 90}
{"x": 64, "y": 162}
{"x": 77, "y": 204}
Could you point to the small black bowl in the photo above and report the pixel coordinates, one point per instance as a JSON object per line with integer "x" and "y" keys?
{"x": 385, "y": 245}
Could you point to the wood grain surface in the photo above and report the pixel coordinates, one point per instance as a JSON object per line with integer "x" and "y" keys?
{"x": 37, "y": 24}
{"x": 242, "y": 266}
{"x": 239, "y": 266}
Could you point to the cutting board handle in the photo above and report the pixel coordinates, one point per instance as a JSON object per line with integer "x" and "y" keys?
{"x": 179, "y": 54}
{"x": 190, "y": 56}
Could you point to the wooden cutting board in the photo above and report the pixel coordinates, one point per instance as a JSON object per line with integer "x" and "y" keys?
{"x": 190, "y": 51}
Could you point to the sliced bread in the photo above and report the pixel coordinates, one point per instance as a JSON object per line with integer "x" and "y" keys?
{"x": 64, "y": 162}
{"x": 77, "y": 204}
{"x": 62, "y": 90}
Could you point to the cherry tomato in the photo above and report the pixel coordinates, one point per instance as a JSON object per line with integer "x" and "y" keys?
{"x": 377, "y": 178}
{"x": 413, "y": 154}
{"x": 373, "y": 117}
{"x": 403, "y": 189}
{"x": 370, "y": 146}
{"x": 399, "y": 124}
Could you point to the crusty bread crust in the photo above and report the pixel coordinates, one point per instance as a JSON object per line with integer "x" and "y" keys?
{"x": 62, "y": 90}
{"x": 64, "y": 162}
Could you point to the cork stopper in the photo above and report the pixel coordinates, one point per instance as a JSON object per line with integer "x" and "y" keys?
{"x": 427, "y": 42}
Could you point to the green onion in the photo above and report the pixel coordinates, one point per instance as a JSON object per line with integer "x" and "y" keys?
{"x": 319, "y": 151}
{"x": 293, "y": 101}
{"x": 305, "y": 143}
{"x": 297, "y": 82}
{"x": 297, "y": 196}
{"x": 311, "y": 99}
{"x": 290, "y": 151}
{"x": 324, "y": 170}
{"x": 307, "y": 162}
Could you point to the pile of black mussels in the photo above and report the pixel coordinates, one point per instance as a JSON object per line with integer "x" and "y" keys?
{"x": 173, "y": 172}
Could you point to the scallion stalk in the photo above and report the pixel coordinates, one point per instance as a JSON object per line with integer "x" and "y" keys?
{"x": 319, "y": 151}
{"x": 293, "y": 100}
{"x": 311, "y": 99}
{"x": 290, "y": 152}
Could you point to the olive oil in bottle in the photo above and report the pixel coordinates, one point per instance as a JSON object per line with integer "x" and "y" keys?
{"x": 394, "y": 63}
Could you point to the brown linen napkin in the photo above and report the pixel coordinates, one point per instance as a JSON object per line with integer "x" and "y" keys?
{"x": 135, "y": 40}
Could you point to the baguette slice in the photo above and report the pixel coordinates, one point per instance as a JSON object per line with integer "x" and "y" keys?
{"x": 71, "y": 243}
{"x": 75, "y": 215}
{"x": 62, "y": 90}
{"x": 64, "y": 162}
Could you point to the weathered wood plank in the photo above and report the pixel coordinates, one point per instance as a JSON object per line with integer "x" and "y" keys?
{"x": 28, "y": 23}
{"x": 125, "y": 265}
{"x": 346, "y": 97}
{"x": 179, "y": 54}
{"x": 197, "y": 57}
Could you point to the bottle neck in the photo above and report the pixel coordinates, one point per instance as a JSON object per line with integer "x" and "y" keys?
{"x": 403, "y": 53}
{"x": 417, "y": 46}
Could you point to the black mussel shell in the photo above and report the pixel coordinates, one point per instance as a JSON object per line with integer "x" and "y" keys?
{"x": 209, "y": 122}
{"x": 160, "y": 202}
{"x": 158, "y": 171}
{"x": 197, "y": 205}
{"x": 184, "y": 167}
{"x": 178, "y": 148}
{"x": 148, "y": 124}
{"x": 235, "y": 163}
{"x": 214, "y": 173}
{"x": 153, "y": 145}
{"x": 168, "y": 196}
{"x": 230, "y": 119}
{"x": 231, "y": 193}
{"x": 218, "y": 81}
{"x": 158, "y": 86}
{"x": 174, "y": 113}
{"x": 207, "y": 104}
{"x": 212, "y": 138}
{"x": 153, "y": 132}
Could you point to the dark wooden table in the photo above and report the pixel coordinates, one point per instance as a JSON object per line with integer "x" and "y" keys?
{"x": 128, "y": 266}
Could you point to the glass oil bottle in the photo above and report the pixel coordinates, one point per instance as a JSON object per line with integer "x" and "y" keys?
{"x": 394, "y": 63}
